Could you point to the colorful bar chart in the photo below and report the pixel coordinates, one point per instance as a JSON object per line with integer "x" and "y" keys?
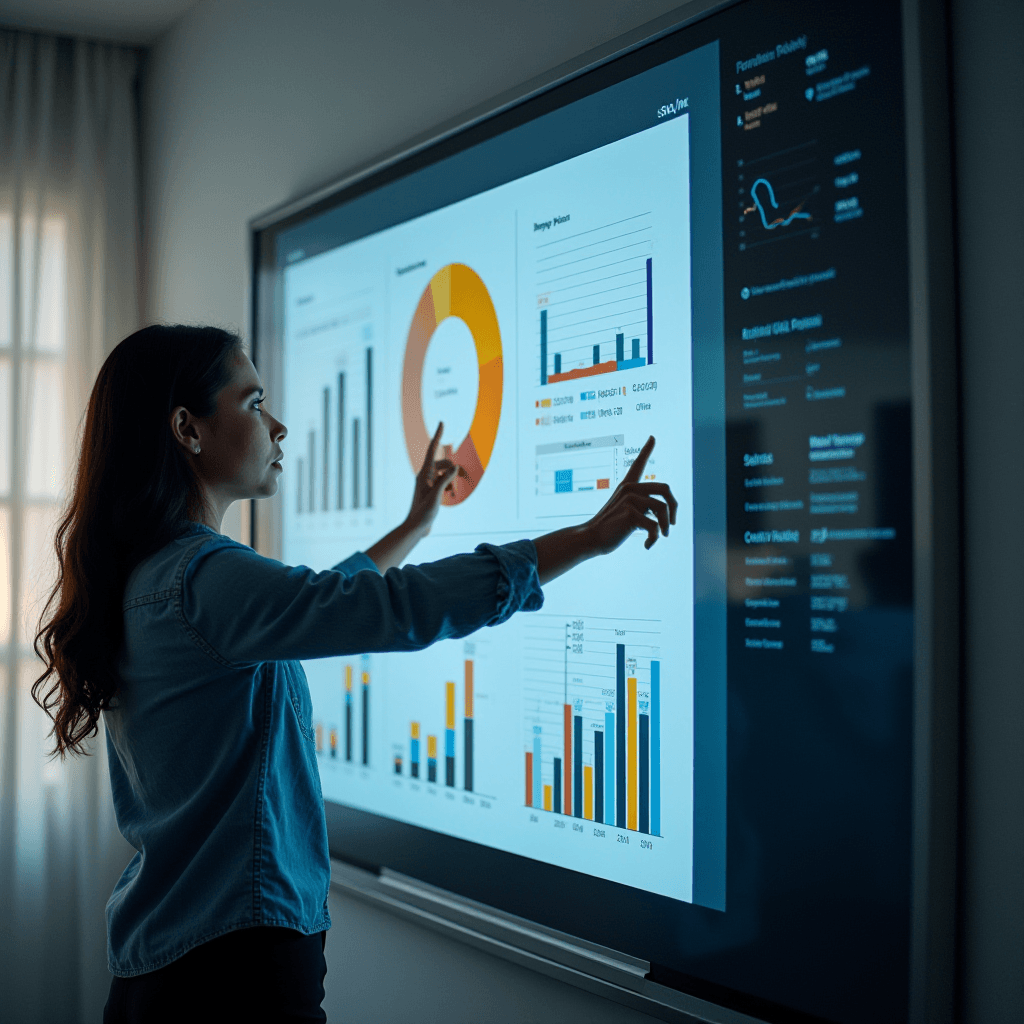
{"x": 341, "y": 741}
{"x": 584, "y": 464}
{"x": 455, "y": 775}
{"x": 586, "y": 323}
{"x": 593, "y": 733}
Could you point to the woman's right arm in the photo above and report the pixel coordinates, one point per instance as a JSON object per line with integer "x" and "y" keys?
{"x": 250, "y": 609}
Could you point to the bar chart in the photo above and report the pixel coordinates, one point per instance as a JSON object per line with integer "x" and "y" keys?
{"x": 595, "y": 300}
{"x": 586, "y": 464}
{"x": 335, "y": 471}
{"x": 348, "y": 734}
{"x": 454, "y": 706}
{"x": 592, "y": 720}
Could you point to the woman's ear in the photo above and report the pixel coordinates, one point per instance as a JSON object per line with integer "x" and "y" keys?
{"x": 185, "y": 430}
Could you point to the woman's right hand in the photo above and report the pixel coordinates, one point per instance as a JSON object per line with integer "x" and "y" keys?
{"x": 630, "y": 508}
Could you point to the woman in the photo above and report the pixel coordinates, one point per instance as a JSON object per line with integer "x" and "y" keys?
{"x": 188, "y": 644}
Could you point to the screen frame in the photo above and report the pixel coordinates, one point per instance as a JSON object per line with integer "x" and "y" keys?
{"x": 933, "y": 983}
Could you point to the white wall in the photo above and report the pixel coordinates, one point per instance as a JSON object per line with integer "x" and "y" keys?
{"x": 250, "y": 103}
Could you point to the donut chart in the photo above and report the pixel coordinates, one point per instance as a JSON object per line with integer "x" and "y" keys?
{"x": 455, "y": 290}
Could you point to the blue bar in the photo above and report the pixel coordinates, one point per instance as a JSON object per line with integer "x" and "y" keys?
{"x": 544, "y": 343}
{"x": 636, "y": 348}
{"x": 644, "y": 756}
{"x": 449, "y": 743}
{"x": 650, "y": 312}
{"x": 620, "y": 735}
{"x": 620, "y": 347}
{"x": 577, "y": 766}
{"x": 609, "y": 773}
{"x": 656, "y": 748}
{"x": 537, "y": 801}
{"x": 598, "y": 775}
{"x": 563, "y": 481}
{"x": 597, "y": 354}
{"x": 558, "y": 362}
{"x": 628, "y": 364}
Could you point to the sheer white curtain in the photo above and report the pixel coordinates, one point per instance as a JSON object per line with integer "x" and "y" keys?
{"x": 68, "y": 293}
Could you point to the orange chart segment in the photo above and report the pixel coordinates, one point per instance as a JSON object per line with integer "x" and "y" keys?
{"x": 455, "y": 290}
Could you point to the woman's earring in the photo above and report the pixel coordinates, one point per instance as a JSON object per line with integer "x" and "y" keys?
{"x": 196, "y": 450}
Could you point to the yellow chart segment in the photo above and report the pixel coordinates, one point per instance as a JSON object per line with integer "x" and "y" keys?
{"x": 455, "y": 290}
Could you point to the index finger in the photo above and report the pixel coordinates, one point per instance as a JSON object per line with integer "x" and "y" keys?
{"x": 428, "y": 459}
{"x": 634, "y": 471}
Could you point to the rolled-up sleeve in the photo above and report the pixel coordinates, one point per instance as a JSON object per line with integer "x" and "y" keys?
{"x": 245, "y": 608}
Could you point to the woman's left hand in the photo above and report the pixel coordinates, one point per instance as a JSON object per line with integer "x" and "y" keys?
{"x": 433, "y": 479}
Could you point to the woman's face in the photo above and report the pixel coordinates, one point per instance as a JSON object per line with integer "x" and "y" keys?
{"x": 240, "y": 444}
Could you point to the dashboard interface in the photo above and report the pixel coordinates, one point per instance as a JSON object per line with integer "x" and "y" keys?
{"x": 704, "y": 748}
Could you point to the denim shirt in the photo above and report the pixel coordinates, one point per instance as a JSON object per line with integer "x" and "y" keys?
{"x": 211, "y": 750}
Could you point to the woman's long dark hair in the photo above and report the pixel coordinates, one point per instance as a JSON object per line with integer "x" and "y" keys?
{"x": 135, "y": 489}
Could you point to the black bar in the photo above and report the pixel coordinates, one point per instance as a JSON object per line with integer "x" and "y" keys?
{"x": 620, "y": 347}
{"x": 327, "y": 446}
{"x": 598, "y": 775}
{"x": 398, "y": 766}
{"x": 597, "y": 354}
{"x": 468, "y": 752}
{"x": 556, "y": 796}
{"x": 312, "y": 474}
{"x": 644, "y": 822}
{"x": 558, "y": 362}
{"x": 620, "y": 735}
{"x": 348, "y": 730}
{"x": 355, "y": 463}
{"x": 449, "y": 770}
{"x": 636, "y": 349}
{"x": 650, "y": 313}
{"x": 366, "y": 724}
{"x": 369, "y": 428}
{"x": 544, "y": 347}
{"x": 414, "y": 769}
{"x": 431, "y": 770}
{"x": 577, "y": 766}
{"x": 341, "y": 440}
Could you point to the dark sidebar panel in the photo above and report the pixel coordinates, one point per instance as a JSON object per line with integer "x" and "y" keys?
{"x": 819, "y": 499}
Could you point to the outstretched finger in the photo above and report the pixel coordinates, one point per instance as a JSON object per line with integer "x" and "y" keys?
{"x": 428, "y": 459}
{"x": 635, "y": 471}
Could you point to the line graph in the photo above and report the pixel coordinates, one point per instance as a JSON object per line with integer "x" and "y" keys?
{"x": 769, "y": 225}
{"x": 778, "y": 195}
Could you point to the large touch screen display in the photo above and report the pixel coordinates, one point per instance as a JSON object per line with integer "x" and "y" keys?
{"x": 547, "y": 323}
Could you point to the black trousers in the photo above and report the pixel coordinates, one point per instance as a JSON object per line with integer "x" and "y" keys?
{"x": 256, "y": 974}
